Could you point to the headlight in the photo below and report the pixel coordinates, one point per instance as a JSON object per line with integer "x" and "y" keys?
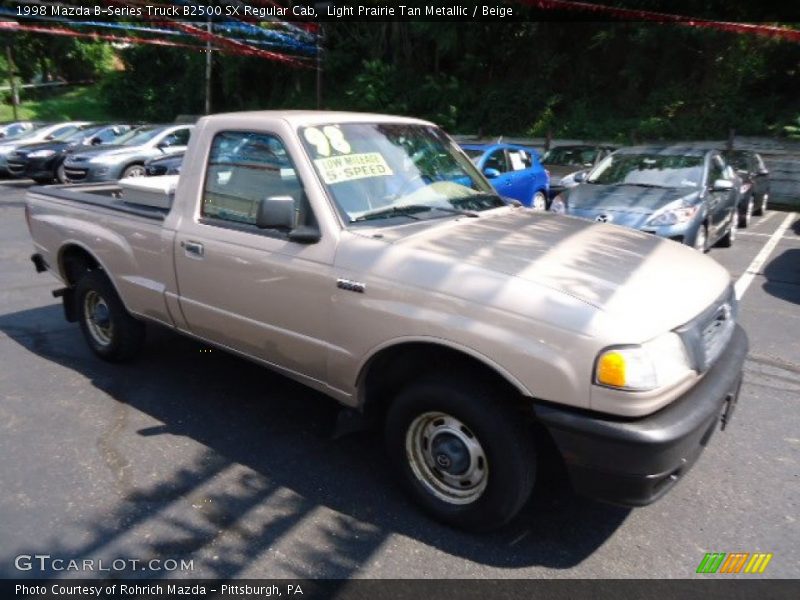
{"x": 657, "y": 363}
{"x": 558, "y": 205}
{"x": 674, "y": 216}
{"x": 41, "y": 153}
{"x": 105, "y": 160}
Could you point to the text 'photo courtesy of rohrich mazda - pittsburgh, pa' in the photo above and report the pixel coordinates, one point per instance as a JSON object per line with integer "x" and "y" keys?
{"x": 337, "y": 299}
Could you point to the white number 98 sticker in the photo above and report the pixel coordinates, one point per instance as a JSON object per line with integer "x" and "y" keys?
{"x": 330, "y": 137}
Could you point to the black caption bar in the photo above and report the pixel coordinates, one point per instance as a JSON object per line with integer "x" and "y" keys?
{"x": 394, "y": 589}
{"x": 326, "y": 11}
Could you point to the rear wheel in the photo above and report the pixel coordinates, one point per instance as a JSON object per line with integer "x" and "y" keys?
{"x": 539, "y": 201}
{"x": 111, "y": 332}
{"x": 465, "y": 456}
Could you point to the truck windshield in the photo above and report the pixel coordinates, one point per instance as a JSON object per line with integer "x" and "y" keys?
{"x": 387, "y": 171}
{"x": 649, "y": 170}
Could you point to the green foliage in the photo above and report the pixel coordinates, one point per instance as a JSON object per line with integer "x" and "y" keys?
{"x": 74, "y": 103}
{"x": 616, "y": 81}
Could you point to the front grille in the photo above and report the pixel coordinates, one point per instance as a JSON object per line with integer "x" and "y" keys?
{"x": 14, "y": 165}
{"x": 707, "y": 335}
{"x": 75, "y": 174}
{"x": 716, "y": 333}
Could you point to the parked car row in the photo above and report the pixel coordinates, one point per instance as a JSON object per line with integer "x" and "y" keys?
{"x": 79, "y": 151}
{"x": 698, "y": 197}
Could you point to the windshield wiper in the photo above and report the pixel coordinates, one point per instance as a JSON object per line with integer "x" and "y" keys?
{"x": 408, "y": 210}
{"x": 644, "y": 185}
{"x": 393, "y": 211}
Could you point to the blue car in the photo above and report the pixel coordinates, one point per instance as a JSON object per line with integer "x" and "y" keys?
{"x": 514, "y": 171}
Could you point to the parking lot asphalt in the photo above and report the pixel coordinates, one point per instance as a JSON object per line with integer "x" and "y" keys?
{"x": 197, "y": 455}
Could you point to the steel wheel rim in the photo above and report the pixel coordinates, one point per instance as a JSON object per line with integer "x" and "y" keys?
{"x": 447, "y": 458}
{"x": 538, "y": 201}
{"x": 97, "y": 315}
{"x": 135, "y": 172}
{"x": 749, "y": 213}
{"x": 60, "y": 174}
{"x": 734, "y": 226}
{"x": 700, "y": 239}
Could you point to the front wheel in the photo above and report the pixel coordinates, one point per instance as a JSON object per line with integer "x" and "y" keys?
{"x": 728, "y": 239}
{"x": 61, "y": 175}
{"x": 762, "y": 206}
{"x": 465, "y": 456}
{"x": 747, "y": 215}
{"x": 134, "y": 171}
{"x": 701, "y": 238}
{"x": 111, "y": 332}
{"x": 539, "y": 201}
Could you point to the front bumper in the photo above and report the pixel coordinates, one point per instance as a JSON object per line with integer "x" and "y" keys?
{"x": 86, "y": 172}
{"x": 634, "y": 462}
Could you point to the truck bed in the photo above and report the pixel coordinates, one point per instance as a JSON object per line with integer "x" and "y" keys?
{"x": 104, "y": 195}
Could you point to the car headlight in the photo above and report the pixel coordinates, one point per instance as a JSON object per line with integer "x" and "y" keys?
{"x": 558, "y": 205}
{"x": 105, "y": 160}
{"x": 660, "y": 362}
{"x": 674, "y": 216}
{"x": 41, "y": 153}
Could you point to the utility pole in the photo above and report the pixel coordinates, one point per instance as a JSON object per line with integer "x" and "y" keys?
{"x": 12, "y": 81}
{"x": 320, "y": 40}
{"x": 208, "y": 68}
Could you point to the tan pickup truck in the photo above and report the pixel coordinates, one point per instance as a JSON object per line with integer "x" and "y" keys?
{"x": 365, "y": 256}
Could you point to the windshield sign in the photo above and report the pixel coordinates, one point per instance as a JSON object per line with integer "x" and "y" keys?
{"x": 387, "y": 171}
{"x": 649, "y": 170}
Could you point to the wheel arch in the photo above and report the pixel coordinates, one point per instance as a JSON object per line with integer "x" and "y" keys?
{"x": 389, "y": 366}
{"x": 74, "y": 259}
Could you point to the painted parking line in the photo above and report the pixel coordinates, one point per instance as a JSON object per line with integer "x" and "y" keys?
{"x": 765, "y": 218}
{"x": 754, "y": 267}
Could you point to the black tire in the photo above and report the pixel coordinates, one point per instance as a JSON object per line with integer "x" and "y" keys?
{"x": 506, "y": 443}
{"x": 746, "y": 215}
{"x": 761, "y": 207}
{"x": 41, "y": 181}
{"x": 124, "y": 335}
{"x": 61, "y": 176}
{"x": 727, "y": 240}
{"x": 133, "y": 171}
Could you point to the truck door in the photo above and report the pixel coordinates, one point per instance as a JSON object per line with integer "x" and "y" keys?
{"x": 249, "y": 289}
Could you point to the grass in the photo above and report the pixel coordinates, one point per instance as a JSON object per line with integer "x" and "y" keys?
{"x": 76, "y": 103}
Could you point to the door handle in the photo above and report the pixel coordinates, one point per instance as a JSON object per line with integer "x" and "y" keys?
{"x": 193, "y": 248}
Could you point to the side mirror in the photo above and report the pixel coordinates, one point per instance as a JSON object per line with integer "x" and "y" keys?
{"x": 491, "y": 173}
{"x": 580, "y": 177}
{"x": 276, "y": 212}
{"x": 722, "y": 185}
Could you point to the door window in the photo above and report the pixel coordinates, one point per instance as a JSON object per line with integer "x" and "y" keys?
{"x": 497, "y": 160}
{"x": 519, "y": 159}
{"x": 243, "y": 169}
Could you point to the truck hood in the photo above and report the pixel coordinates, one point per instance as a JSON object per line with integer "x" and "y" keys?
{"x": 643, "y": 280}
{"x": 625, "y": 198}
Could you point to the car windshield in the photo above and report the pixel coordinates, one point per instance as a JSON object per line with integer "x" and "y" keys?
{"x": 379, "y": 171}
{"x": 473, "y": 153}
{"x": 649, "y": 170}
{"x": 738, "y": 160}
{"x": 81, "y": 134}
{"x": 24, "y": 134}
{"x": 66, "y": 133}
{"x": 570, "y": 156}
{"x": 138, "y": 136}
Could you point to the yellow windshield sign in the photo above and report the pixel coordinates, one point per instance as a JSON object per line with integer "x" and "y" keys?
{"x": 348, "y": 167}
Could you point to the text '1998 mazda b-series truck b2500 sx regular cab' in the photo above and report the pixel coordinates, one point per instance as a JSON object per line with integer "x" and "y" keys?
{"x": 365, "y": 256}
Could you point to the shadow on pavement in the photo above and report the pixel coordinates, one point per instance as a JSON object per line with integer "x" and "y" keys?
{"x": 275, "y": 437}
{"x": 783, "y": 275}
